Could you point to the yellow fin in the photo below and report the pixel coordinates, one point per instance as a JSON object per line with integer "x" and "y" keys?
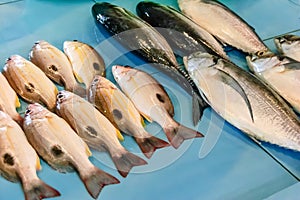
{"x": 38, "y": 164}
{"x": 87, "y": 150}
{"x": 79, "y": 79}
{"x": 119, "y": 135}
{"x": 17, "y": 103}
{"x": 143, "y": 122}
{"x": 147, "y": 117}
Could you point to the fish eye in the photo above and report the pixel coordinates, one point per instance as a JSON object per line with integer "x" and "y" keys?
{"x": 259, "y": 53}
{"x": 96, "y": 80}
{"x": 96, "y": 66}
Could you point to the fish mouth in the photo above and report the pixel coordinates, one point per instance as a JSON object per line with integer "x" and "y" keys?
{"x": 31, "y": 108}
{"x": 62, "y": 96}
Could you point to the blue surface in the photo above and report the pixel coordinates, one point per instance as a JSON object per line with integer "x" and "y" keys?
{"x": 236, "y": 167}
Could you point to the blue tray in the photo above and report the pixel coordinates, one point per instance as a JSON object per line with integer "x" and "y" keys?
{"x": 235, "y": 168}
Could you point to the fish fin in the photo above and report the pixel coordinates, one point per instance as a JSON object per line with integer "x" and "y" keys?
{"x": 119, "y": 135}
{"x": 148, "y": 118}
{"x": 79, "y": 79}
{"x": 198, "y": 106}
{"x": 87, "y": 150}
{"x": 38, "y": 163}
{"x": 230, "y": 81}
{"x": 177, "y": 134}
{"x": 292, "y": 66}
{"x": 96, "y": 180}
{"x": 143, "y": 122}
{"x": 17, "y": 103}
{"x": 40, "y": 190}
{"x": 125, "y": 161}
{"x": 150, "y": 144}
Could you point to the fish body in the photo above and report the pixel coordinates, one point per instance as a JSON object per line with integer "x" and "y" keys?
{"x": 96, "y": 130}
{"x": 62, "y": 148}
{"x": 85, "y": 60}
{"x": 244, "y": 100}
{"x": 55, "y": 64}
{"x": 138, "y": 36}
{"x": 29, "y": 81}
{"x": 281, "y": 73}
{"x": 223, "y": 23}
{"x": 288, "y": 45}
{"x": 9, "y": 100}
{"x": 152, "y": 102}
{"x": 19, "y": 161}
{"x": 116, "y": 106}
{"x": 183, "y": 35}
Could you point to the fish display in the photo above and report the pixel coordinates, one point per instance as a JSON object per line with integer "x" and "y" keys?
{"x": 149, "y": 44}
{"x": 183, "y": 35}
{"x": 116, "y": 106}
{"x": 153, "y": 102}
{"x": 288, "y": 45}
{"x": 223, "y": 23}
{"x": 19, "y": 161}
{"x": 96, "y": 130}
{"x": 29, "y": 81}
{"x": 9, "y": 100}
{"x": 85, "y": 60}
{"x": 244, "y": 100}
{"x": 281, "y": 73}
{"x": 57, "y": 143}
{"x": 55, "y": 64}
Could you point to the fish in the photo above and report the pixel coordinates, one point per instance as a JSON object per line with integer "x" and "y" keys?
{"x": 280, "y": 73}
{"x": 223, "y": 23}
{"x": 56, "y": 65}
{"x": 9, "y": 100}
{"x": 22, "y": 76}
{"x": 98, "y": 132}
{"x": 153, "y": 102}
{"x": 183, "y": 35}
{"x": 58, "y": 144}
{"x": 141, "y": 38}
{"x": 19, "y": 161}
{"x": 244, "y": 100}
{"x": 288, "y": 45}
{"x": 85, "y": 60}
{"x": 118, "y": 108}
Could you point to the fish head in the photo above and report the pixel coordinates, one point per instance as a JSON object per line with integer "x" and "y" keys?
{"x": 68, "y": 45}
{"x": 102, "y": 11}
{"x": 14, "y": 61}
{"x": 199, "y": 60}
{"x": 41, "y": 44}
{"x": 123, "y": 72}
{"x": 286, "y": 42}
{"x": 62, "y": 97}
{"x": 35, "y": 111}
{"x": 261, "y": 61}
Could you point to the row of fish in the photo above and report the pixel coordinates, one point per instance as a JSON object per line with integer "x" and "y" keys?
{"x": 55, "y": 138}
{"x": 209, "y": 75}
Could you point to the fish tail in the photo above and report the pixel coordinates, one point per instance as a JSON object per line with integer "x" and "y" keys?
{"x": 150, "y": 144}
{"x": 40, "y": 190}
{"x": 199, "y": 106}
{"x": 178, "y": 133}
{"x": 96, "y": 179}
{"x": 125, "y": 161}
{"x": 77, "y": 89}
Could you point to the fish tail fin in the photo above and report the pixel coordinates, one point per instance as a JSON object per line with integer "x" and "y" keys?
{"x": 40, "y": 190}
{"x": 125, "y": 161}
{"x": 96, "y": 179}
{"x": 77, "y": 89}
{"x": 177, "y": 134}
{"x": 199, "y": 105}
{"x": 150, "y": 144}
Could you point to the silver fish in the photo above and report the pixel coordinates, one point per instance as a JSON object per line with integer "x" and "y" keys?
{"x": 62, "y": 148}
{"x": 96, "y": 130}
{"x": 85, "y": 60}
{"x": 55, "y": 64}
{"x": 116, "y": 106}
{"x": 29, "y": 81}
{"x": 19, "y": 161}
{"x": 152, "y": 102}
{"x": 9, "y": 100}
{"x": 281, "y": 73}
{"x": 223, "y": 23}
{"x": 244, "y": 100}
{"x": 288, "y": 45}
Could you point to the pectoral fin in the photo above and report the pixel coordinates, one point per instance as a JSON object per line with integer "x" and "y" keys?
{"x": 231, "y": 82}
{"x": 119, "y": 135}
